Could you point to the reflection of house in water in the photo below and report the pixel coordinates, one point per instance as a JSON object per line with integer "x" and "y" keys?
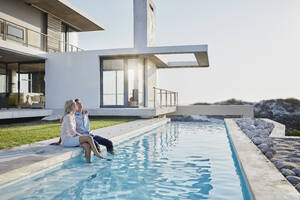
{"x": 41, "y": 66}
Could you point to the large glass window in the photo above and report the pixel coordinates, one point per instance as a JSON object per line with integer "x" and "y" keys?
{"x": 2, "y": 78}
{"x": 113, "y": 82}
{"x": 15, "y": 32}
{"x": 123, "y": 82}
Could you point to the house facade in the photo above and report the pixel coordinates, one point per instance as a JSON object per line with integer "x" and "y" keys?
{"x": 114, "y": 82}
{"x": 29, "y": 29}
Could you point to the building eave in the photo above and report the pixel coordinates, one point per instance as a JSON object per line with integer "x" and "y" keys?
{"x": 66, "y": 12}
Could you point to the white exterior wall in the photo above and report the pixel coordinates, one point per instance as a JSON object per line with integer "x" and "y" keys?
{"x": 70, "y": 76}
{"x": 77, "y": 75}
{"x": 223, "y": 110}
{"x": 150, "y": 78}
{"x": 18, "y": 12}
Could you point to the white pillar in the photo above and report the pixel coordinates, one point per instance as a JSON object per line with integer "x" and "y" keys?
{"x": 144, "y": 23}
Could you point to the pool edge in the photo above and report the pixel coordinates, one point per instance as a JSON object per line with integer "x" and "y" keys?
{"x": 36, "y": 168}
{"x": 263, "y": 179}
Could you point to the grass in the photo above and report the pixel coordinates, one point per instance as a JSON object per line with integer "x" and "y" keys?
{"x": 293, "y": 133}
{"x": 17, "y": 134}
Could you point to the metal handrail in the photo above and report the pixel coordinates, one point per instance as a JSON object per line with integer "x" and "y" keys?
{"x": 45, "y": 36}
{"x": 173, "y": 98}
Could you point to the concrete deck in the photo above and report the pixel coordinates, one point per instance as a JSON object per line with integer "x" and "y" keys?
{"x": 216, "y": 110}
{"x": 23, "y": 113}
{"x": 26, "y": 160}
{"x": 145, "y": 112}
{"x": 265, "y": 181}
{"x": 134, "y": 112}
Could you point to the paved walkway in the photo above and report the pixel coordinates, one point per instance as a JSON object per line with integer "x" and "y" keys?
{"x": 27, "y": 159}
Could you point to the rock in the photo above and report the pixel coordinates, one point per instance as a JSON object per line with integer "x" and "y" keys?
{"x": 258, "y": 140}
{"x": 266, "y": 149}
{"x": 293, "y": 179}
{"x": 283, "y": 153}
{"x": 285, "y": 165}
{"x": 263, "y": 145}
{"x": 295, "y": 160}
{"x": 269, "y": 154}
{"x": 293, "y": 155}
{"x": 287, "y": 172}
{"x": 298, "y": 187}
{"x": 297, "y": 171}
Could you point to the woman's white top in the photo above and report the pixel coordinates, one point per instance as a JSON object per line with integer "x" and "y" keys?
{"x": 68, "y": 127}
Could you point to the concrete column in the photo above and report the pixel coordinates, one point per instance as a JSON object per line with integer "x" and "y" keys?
{"x": 14, "y": 81}
{"x": 144, "y": 23}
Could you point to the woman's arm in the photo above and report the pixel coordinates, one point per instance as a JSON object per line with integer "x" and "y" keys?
{"x": 71, "y": 126}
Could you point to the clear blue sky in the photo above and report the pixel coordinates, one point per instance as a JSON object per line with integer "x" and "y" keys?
{"x": 253, "y": 45}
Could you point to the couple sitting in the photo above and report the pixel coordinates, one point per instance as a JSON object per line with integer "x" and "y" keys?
{"x": 75, "y": 131}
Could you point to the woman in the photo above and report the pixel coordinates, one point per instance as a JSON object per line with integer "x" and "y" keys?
{"x": 69, "y": 136}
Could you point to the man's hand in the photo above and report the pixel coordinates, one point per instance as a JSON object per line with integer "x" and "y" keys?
{"x": 85, "y": 111}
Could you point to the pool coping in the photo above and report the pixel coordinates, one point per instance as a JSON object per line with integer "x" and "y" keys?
{"x": 32, "y": 169}
{"x": 264, "y": 181}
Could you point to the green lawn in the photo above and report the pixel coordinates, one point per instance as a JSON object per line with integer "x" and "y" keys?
{"x": 17, "y": 134}
{"x": 293, "y": 133}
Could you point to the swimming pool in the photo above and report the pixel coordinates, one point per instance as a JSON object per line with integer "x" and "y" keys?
{"x": 180, "y": 160}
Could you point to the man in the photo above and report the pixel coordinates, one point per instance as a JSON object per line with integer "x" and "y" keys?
{"x": 83, "y": 127}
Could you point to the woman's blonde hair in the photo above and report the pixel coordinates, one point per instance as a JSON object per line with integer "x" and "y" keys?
{"x": 68, "y": 108}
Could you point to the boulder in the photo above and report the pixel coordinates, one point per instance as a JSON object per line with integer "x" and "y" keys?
{"x": 287, "y": 172}
{"x": 297, "y": 171}
{"x": 285, "y": 165}
{"x": 298, "y": 187}
{"x": 258, "y": 140}
{"x": 293, "y": 179}
{"x": 269, "y": 154}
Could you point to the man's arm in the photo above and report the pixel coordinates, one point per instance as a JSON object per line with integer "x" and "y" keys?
{"x": 86, "y": 120}
{"x": 56, "y": 143}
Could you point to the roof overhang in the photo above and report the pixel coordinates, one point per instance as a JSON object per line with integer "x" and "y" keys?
{"x": 11, "y": 56}
{"x": 66, "y": 12}
{"x": 199, "y": 51}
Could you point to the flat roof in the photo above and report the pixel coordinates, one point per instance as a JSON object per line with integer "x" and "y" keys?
{"x": 199, "y": 51}
{"x": 66, "y": 12}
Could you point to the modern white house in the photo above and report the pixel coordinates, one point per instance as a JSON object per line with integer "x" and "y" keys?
{"x": 42, "y": 67}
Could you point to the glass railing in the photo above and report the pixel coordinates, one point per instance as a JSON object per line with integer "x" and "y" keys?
{"x": 164, "y": 98}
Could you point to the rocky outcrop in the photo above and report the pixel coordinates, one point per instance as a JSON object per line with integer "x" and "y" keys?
{"x": 285, "y": 111}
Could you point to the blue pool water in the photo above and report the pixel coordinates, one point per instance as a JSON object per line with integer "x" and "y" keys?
{"x": 180, "y": 160}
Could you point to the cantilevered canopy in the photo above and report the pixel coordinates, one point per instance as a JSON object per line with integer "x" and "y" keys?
{"x": 198, "y": 51}
{"x": 9, "y": 56}
{"x": 65, "y": 11}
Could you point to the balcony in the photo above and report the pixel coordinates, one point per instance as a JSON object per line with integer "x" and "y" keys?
{"x": 10, "y": 31}
{"x": 164, "y": 98}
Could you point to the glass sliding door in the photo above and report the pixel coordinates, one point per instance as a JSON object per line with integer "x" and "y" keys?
{"x": 3, "y": 86}
{"x": 122, "y": 82}
{"x": 113, "y": 82}
{"x": 135, "y": 82}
